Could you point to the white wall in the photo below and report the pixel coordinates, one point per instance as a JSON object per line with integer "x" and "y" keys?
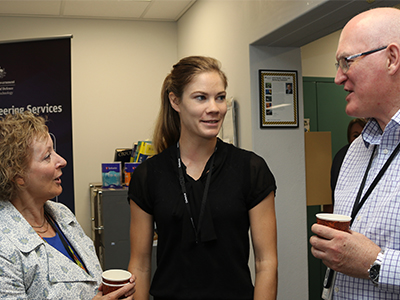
{"x": 224, "y": 30}
{"x": 284, "y": 151}
{"x": 318, "y": 57}
{"x": 117, "y": 71}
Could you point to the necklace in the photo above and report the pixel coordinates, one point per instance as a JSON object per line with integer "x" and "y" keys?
{"x": 44, "y": 221}
{"x": 43, "y": 231}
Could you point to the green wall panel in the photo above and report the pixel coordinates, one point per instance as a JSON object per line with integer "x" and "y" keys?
{"x": 310, "y": 106}
{"x": 332, "y": 113}
{"x": 324, "y": 105}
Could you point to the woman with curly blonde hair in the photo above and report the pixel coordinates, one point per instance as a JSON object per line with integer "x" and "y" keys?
{"x": 44, "y": 252}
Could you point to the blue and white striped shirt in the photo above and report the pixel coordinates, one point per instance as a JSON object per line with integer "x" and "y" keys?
{"x": 379, "y": 217}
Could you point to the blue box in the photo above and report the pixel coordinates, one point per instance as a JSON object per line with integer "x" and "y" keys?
{"x": 129, "y": 168}
{"x": 111, "y": 175}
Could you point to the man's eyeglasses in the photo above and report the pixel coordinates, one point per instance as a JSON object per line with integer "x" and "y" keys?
{"x": 343, "y": 62}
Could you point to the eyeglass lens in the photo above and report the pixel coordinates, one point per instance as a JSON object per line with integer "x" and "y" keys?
{"x": 343, "y": 62}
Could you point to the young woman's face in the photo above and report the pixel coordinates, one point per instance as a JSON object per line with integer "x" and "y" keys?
{"x": 203, "y": 106}
{"x": 42, "y": 180}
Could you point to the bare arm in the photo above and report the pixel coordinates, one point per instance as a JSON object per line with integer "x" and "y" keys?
{"x": 141, "y": 240}
{"x": 264, "y": 237}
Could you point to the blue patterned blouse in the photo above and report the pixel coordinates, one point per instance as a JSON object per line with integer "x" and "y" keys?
{"x": 32, "y": 269}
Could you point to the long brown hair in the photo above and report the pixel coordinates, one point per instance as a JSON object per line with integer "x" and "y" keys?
{"x": 168, "y": 127}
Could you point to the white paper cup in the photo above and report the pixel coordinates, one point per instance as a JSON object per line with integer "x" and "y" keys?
{"x": 114, "y": 279}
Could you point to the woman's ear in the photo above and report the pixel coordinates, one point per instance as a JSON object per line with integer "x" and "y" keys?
{"x": 19, "y": 180}
{"x": 174, "y": 101}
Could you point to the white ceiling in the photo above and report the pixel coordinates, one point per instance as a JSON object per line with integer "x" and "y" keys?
{"x": 144, "y": 10}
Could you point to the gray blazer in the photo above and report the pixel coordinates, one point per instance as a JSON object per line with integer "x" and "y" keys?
{"x": 32, "y": 269}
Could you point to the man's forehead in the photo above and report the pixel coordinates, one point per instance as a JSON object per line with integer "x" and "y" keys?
{"x": 351, "y": 41}
{"x": 342, "y": 50}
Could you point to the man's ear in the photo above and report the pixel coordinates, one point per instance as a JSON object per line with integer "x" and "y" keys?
{"x": 393, "y": 58}
{"x": 174, "y": 101}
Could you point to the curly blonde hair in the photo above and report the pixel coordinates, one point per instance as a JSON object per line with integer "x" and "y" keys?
{"x": 17, "y": 132}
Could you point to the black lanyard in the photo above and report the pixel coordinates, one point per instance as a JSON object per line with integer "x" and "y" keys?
{"x": 358, "y": 204}
{"x": 184, "y": 192}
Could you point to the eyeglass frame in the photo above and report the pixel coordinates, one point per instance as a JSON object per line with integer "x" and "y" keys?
{"x": 346, "y": 59}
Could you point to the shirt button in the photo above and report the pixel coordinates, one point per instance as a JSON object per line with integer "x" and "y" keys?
{"x": 358, "y": 218}
{"x": 385, "y": 151}
{"x": 336, "y": 290}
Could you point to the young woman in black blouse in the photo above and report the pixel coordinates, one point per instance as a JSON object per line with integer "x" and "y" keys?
{"x": 203, "y": 195}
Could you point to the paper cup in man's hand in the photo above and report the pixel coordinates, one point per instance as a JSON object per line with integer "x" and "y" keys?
{"x": 340, "y": 222}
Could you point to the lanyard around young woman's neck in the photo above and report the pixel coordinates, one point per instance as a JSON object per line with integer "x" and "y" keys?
{"x": 358, "y": 204}
{"x": 185, "y": 196}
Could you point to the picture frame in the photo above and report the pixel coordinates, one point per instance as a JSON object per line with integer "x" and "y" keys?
{"x": 278, "y": 99}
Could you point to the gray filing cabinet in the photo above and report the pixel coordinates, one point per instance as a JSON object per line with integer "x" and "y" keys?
{"x": 110, "y": 215}
{"x": 110, "y": 225}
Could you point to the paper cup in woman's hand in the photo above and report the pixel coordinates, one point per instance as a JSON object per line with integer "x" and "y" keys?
{"x": 114, "y": 279}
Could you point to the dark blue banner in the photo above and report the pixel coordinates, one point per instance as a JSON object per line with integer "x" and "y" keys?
{"x": 35, "y": 75}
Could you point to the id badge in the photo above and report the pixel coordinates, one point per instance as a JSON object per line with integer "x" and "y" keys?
{"x": 329, "y": 283}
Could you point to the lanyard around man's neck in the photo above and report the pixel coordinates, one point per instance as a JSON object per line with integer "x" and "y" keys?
{"x": 357, "y": 203}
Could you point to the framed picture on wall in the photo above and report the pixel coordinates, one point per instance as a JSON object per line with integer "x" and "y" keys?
{"x": 278, "y": 99}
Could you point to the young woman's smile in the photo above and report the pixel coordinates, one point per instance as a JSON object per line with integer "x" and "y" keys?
{"x": 203, "y": 106}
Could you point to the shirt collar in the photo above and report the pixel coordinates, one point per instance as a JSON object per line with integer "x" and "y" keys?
{"x": 372, "y": 132}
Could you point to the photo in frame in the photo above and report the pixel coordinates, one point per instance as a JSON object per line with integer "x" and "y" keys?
{"x": 278, "y": 99}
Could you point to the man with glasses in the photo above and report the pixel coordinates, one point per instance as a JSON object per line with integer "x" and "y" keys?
{"x": 366, "y": 260}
